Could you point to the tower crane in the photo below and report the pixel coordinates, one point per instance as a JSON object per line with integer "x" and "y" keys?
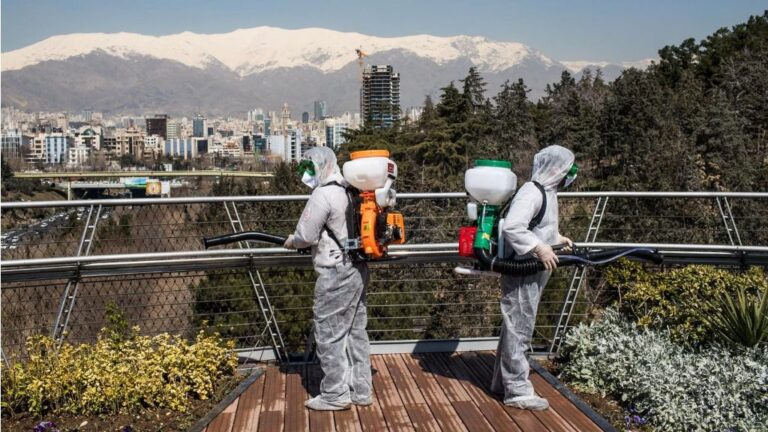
{"x": 360, "y": 63}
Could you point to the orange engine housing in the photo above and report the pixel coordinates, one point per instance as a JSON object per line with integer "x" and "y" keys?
{"x": 373, "y": 241}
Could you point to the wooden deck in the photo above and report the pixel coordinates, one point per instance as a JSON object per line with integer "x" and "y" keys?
{"x": 433, "y": 392}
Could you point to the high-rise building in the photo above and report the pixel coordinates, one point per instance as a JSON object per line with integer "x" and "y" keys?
{"x": 184, "y": 148}
{"x": 305, "y": 117}
{"x": 198, "y": 127}
{"x": 62, "y": 122}
{"x": 157, "y": 125}
{"x": 38, "y": 150}
{"x": 380, "y": 96}
{"x": 78, "y": 156}
{"x": 173, "y": 130}
{"x": 294, "y": 149}
{"x": 56, "y": 147}
{"x": 153, "y": 146}
{"x": 202, "y": 145}
{"x": 334, "y": 134}
{"x": 259, "y": 143}
{"x": 321, "y": 110}
{"x": 11, "y": 144}
{"x": 285, "y": 118}
{"x": 129, "y": 141}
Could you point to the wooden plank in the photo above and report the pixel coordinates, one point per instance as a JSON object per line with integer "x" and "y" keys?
{"x": 466, "y": 409}
{"x": 372, "y": 416}
{"x": 391, "y": 405}
{"x": 319, "y": 421}
{"x": 296, "y": 418}
{"x": 249, "y": 407}
{"x": 553, "y": 417}
{"x": 223, "y": 422}
{"x": 491, "y": 408}
{"x": 202, "y": 424}
{"x": 527, "y": 421}
{"x": 273, "y": 414}
{"x": 471, "y": 417}
{"x": 433, "y": 394}
{"x": 347, "y": 420}
{"x": 422, "y": 418}
{"x": 566, "y": 409}
{"x": 542, "y": 387}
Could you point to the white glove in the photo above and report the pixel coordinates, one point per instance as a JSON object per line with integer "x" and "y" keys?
{"x": 289, "y": 243}
{"x": 566, "y": 241}
{"x": 546, "y": 255}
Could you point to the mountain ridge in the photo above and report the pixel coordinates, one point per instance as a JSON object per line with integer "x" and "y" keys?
{"x": 229, "y": 73}
{"x": 254, "y": 50}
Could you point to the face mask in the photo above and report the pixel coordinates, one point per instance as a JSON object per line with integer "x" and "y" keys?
{"x": 306, "y": 166}
{"x": 571, "y": 176}
{"x": 309, "y": 180}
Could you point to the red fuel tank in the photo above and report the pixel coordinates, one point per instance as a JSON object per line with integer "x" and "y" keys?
{"x": 466, "y": 241}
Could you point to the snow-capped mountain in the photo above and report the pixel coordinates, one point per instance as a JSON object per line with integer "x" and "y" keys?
{"x": 579, "y": 65}
{"x": 262, "y": 66}
{"x": 259, "y": 49}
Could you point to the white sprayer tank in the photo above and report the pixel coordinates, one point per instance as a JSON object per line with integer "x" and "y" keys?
{"x": 369, "y": 170}
{"x": 490, "y": 181}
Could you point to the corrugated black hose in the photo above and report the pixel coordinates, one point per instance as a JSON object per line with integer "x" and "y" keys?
{"x": 526, "y": 267}
{"x": 242, "y": 236}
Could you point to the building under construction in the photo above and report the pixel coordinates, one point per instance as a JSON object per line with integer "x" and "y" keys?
{"x": 158, "y": 125}
{"x": 380, "y": 96}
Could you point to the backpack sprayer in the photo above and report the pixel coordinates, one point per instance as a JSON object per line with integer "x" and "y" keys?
{"x": 371, "y": 224}
{"x": 371, "y": 174}
{"x": 491, "y": 185}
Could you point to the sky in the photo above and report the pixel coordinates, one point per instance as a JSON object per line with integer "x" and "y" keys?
{"x": 614, "y": 31}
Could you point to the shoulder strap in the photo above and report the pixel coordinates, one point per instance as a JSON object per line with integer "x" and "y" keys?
{"x": 325, "y": 227}
{"x": 540, "y": 215}
{"x": 333, "y": 183}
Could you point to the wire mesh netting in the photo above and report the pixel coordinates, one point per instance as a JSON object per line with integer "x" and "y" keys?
{"x": 405, "y": 301}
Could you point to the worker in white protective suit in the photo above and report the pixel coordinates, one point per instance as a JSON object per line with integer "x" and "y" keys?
{"x": 530, "y": 228}
{"x": 339, "y": 311}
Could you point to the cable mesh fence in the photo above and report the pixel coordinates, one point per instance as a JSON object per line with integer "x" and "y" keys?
{"x": 405, "y": 301}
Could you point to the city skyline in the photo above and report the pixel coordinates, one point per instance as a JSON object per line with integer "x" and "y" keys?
{"x": 571, "y": 32}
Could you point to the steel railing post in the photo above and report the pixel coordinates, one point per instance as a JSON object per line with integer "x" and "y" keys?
{"x": 67, "y": 303}
{"x": 730, "y": 224}
{"x": 577, "y": 280}
{"x": 260, "y": 291}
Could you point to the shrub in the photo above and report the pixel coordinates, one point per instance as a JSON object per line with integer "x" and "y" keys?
{"x": 742, "y": 320}
{"x": 680, "y": 299}
{"x": 712, "y": 389}
{"x": 116, "y": 374}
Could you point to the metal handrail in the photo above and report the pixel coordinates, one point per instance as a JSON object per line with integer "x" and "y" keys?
{"x": 189, "y": 262}
{"x": 415, "y": 195}
{"x": 396, "y": 250}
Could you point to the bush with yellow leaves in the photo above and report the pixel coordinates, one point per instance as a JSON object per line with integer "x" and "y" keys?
{"x": 680, "y": 299}
{"x": 117, "y": 373}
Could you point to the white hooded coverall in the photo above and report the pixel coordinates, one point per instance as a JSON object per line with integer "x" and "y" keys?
{"x": 520, "y": 295}
{"x": 339, "y": 310}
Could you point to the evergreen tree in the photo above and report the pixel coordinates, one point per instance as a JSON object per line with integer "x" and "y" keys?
{"x": 513, "y": 125}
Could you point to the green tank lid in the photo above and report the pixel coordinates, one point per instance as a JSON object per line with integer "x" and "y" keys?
{"x": 493, "y": 163}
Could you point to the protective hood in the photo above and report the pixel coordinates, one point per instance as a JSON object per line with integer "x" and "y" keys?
{"x": 551, "y": 164}
{"x": 326, "y": 167}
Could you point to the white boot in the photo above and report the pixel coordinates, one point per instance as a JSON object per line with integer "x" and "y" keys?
{"x": 362, "y": 401}
{"x": 317, "y": 403}
{"x": 531, "y": 402}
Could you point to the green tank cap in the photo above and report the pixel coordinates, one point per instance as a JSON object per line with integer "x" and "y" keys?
{"x": 493, "y": 163}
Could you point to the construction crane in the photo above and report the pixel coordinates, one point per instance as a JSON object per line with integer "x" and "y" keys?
{"x": 360, "y": 63}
